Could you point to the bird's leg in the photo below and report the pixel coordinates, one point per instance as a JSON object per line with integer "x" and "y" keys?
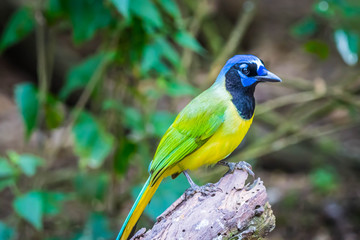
{"x": 240, "y": 165}
{"x": 191, "y": 182}
{"x": 205, "y": 190}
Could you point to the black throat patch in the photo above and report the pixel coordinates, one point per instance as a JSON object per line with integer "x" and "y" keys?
{"x": 242, "y": 97}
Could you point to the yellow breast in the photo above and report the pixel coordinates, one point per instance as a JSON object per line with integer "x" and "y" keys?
{"x": 220, "y": 145}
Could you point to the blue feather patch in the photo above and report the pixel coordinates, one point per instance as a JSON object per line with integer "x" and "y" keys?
{"x": 262, "y": 71}
{"x": 246, "y": 81}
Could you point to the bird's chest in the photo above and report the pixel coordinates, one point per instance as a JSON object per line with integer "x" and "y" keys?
{"x": 228, "y": 137}
{"x": 235, "y": 127}
{"x": 221, "y": 144}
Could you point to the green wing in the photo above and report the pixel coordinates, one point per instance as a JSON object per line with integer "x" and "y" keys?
{"x": 194, "y": 125}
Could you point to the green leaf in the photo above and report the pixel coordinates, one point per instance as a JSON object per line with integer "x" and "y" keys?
{"x": 317, "y": 47}
{"x": 153, "y": 54}
{"x": 28, "y": 164}
{"x": 13, "y": 156}
{"x": 168, "y": 191}
{"x": 92, "y": 143}
{"x": 30, "y": 207}
{"x": 168, "y": 51}
{"x": 112, "y": 104}
{"x": 324, "y": 8}
{"x": 151, "y": 57}
{"x": 161, "y": 121}
{"x": 171, "y": 7}
{"x": 54, "y": 112}
{"x": 133, "y": 120}
{"x": 147, "y": 11}
{"x": 28, "y": 104}
{"x": 6, "y": 170}
{"x": 304, "y": 28}
{"x": 54, "y": 9}
{"x": 6, "y": 232}
{"x": 34, "y": 205}
{"x": 53, "y": 202}
{"x": 19, "y": 26}
{"x": 97, "y": 227}
{"x": 92, "y": 185}
{"x": 347, "y": 45}
{"x": 324, "y": 180}
{"x": 184, "y": 39}
{"x": 4, "y": 183}
{"x": 87, "y": 16}
{"x": 122, "y": 6}
{"x": 79, "y": 76}
{"x": 123, "y": 154}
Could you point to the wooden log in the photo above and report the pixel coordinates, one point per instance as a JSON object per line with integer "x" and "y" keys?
{"x": 234, "y": 211}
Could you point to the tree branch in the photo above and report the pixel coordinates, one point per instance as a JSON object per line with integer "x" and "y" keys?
{"x": 235, "y": 38}
{"x": 233, "y": 211}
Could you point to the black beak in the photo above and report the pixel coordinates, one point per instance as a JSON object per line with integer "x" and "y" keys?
{"x": 269, "y": 77}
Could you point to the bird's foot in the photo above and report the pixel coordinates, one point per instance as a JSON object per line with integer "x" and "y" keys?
{"x": 208, "y": 189}
{"x": 239, "y": 165}
{"x": 242, "y": 166}
{"x": 250, "y": 186}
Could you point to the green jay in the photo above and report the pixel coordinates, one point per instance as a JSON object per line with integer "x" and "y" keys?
{"x": 207, "y": 130}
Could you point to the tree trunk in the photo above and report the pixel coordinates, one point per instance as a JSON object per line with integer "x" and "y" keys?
{"x": 233, "y": 211}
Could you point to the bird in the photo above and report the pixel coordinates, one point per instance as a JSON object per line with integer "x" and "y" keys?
{"x": 206, "y": 131}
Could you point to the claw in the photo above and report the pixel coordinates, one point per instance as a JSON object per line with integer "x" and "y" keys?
{"x": 243, "y": 166}
{"x": 249, "y": 186}
{"x": 208, "y": 189}
{"x": 246, "y": 167}
{"x": 240, "y": 165}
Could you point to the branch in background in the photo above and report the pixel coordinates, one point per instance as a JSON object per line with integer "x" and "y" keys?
{"x": 86, "y": 94}
{"x": 41, "y": 52}
{"x": 231, "y": 212}
{"x": 235, "y": 38}
{"x": 286, "y": 100}
{"x": 84, "y": 98}
{"x": 201, "y": 11}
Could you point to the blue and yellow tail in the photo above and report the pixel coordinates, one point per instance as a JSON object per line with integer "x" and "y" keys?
{"x": 141, "y": 202}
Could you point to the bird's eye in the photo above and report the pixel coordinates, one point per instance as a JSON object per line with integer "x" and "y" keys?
{"x": 245, "y": 69}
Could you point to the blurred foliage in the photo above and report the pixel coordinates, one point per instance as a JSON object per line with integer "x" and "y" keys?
{"x": 6, "y": 232}
{"x": 92, "y": 143}
{"x": 120, "y": 97}
{"x": 343, "y": 17}
{"x": 32, "y": 205}
{"x": 324, "y": 180}
{"x": 144, "y": 38}
{"x": 20, "y": 25}
{"x": 27, "y": 100}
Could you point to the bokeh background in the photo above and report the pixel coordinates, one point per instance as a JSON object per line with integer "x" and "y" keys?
{"x": 88, "y": 87}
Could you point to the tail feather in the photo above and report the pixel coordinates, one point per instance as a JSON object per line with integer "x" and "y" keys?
{"x": 141, "y": 202}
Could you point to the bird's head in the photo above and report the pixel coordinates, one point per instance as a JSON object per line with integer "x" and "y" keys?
{"x": 246, "y": 71}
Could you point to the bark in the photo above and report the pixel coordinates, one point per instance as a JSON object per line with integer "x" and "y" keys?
{"x": 234, "y": 211}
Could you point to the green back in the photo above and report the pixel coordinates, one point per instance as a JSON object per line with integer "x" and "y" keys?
{"x": 194, "y": 125}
